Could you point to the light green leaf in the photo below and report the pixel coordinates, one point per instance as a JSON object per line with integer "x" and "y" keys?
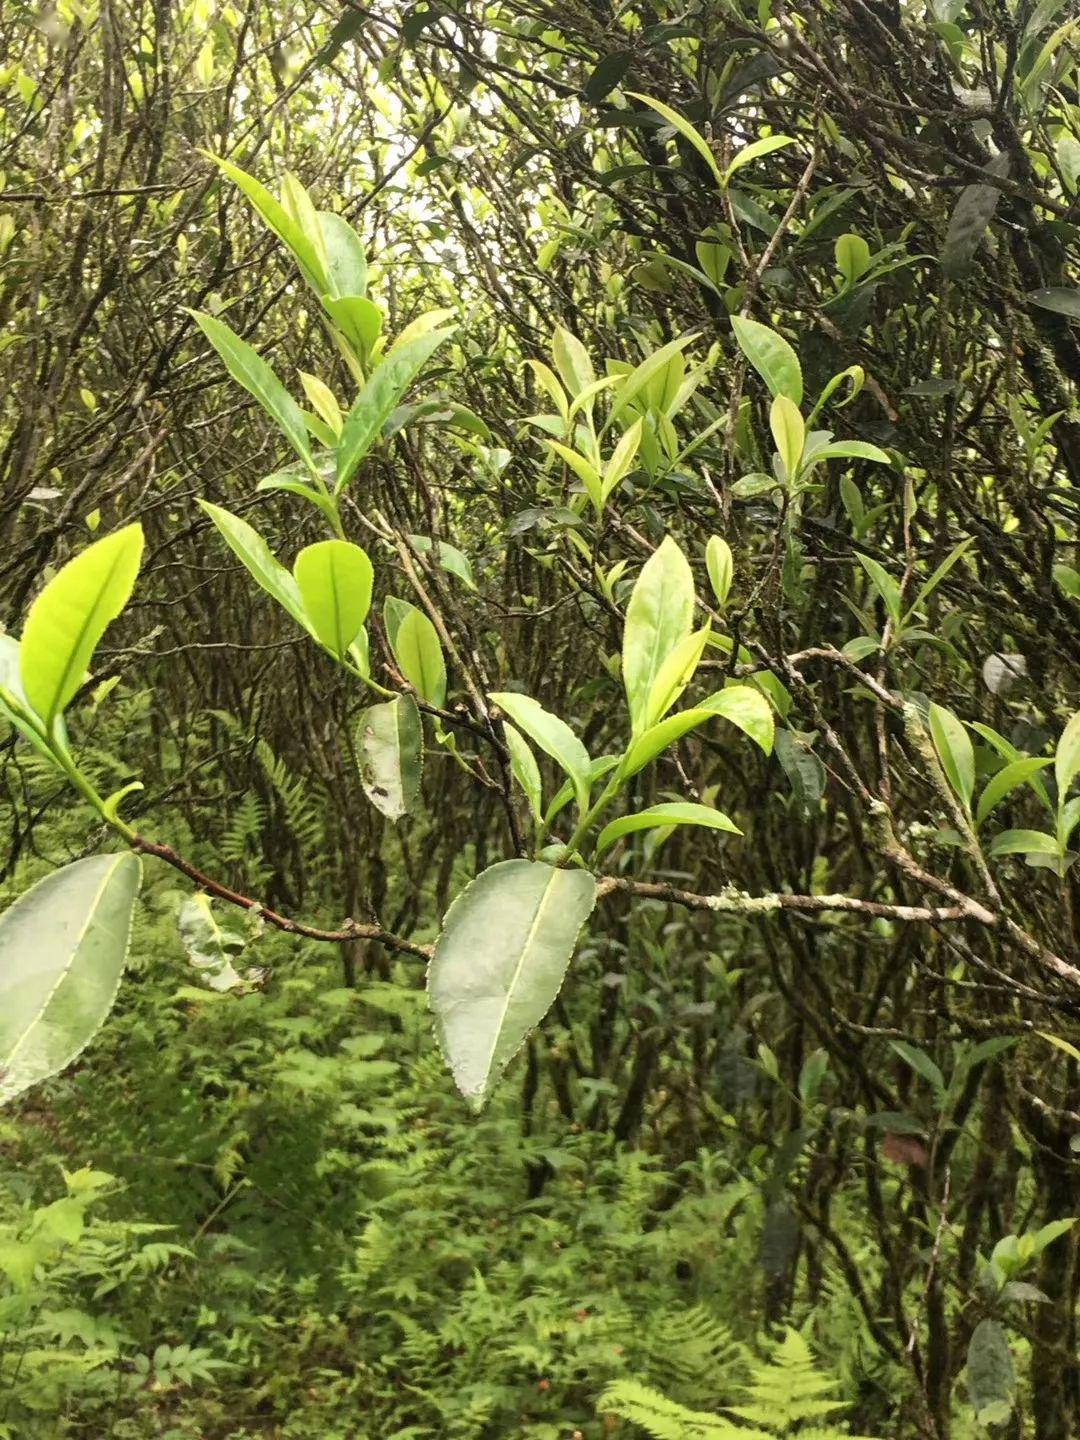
{"x": 788, "y": 432}
{"x": 953, "y": 745}
{"x": 749, "y": 487}
{"x": 1022, "y": 842}
{"x": 69, "y": 617}
{"x": 957, "y": 553}
{"x": 687, "y": 131}
{"x": 743, "y": 705}
{"x": 359, "y": 319}
{"x": 852, "y": 257}
{"x": 681, "y": 812}
{"x": 658, "y": 617}
{"x": 499, "y": 963}
{"x": 747, "y": 709}
{"x": 390, "y": 754}
{"x": 853, "y": 450}
{"x": 720, "y": 565}
{"x": 1067, "y": 757}
{"x": 14, "y": 706}
{"x": 384, "y": 388}
{"x": 553, "y": 736}
{"x": 278, "y": 219}
{"x": 64, "y": 943}
{"x": 335, "y": 579}
{"x": 549, "y": 382}
{"x": 771, "y": 356}
{"x": 254, "y": 554}
{"x": 675, "y": 673}
{"x": 394, "y": 612}
{"x": 1059, "y": 1043}
{"x": 861, "y": 646}
{"x": 346, "y": 263}
{"x": 524, "y": 768}
{"x": 598, "y": 768}
{"x": 249, "y": 369}
{"x": 424, "y": 324}
{"x": 754, "y": 151}
{"x": 622, "y": 458}
{"x": 885, "y": 585}
{"x": 419, "y": 656}
{"x": 322, "y": 400}
{"x": 572, "y": 362}
{"x": 586, "y": 473}
{"x": 298, "y": 205}
{"x": 637, "y": 379}
{"x": 1005, "y": 781}
{"x": 452, "y": 560}
{"x": 920, "y": 1062}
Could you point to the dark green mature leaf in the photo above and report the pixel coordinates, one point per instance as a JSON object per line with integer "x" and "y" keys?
{"x": 1060, "y": 301}
{"x": 991, "y": 1377}
{"x": 347, "y": 27}
{"x": 390, "y": 746}
{"x": 607, "y": 75}
{"x": 64, "y": 944}
{"x": 805, "y": 772}
{"x": 499, "y": 963}
{"x": 967, "y": 225}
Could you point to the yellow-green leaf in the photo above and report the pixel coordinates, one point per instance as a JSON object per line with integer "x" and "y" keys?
{"x": 788, "y": 432}
{"x": 335, "y": 579}
{"x": 69, "y": 617}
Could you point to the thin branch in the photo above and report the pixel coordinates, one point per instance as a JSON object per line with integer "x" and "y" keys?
{"x": 350, "y": 930}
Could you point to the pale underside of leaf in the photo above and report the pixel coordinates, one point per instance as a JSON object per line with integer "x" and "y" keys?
{"x": 390, "y": 754}
{"x": 63, "y": 945}
{"x": 499, "y": 963}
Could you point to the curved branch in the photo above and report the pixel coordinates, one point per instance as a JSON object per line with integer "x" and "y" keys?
{"x": 350, "y": 930}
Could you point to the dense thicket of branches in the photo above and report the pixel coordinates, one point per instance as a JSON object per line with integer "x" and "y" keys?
{"x": 496, "y": 162}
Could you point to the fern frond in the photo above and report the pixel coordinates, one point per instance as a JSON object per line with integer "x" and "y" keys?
{"x": 666, "y": 1419}
{"x": 788, "y": 1390}
{"x": 693, "y": 1353}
